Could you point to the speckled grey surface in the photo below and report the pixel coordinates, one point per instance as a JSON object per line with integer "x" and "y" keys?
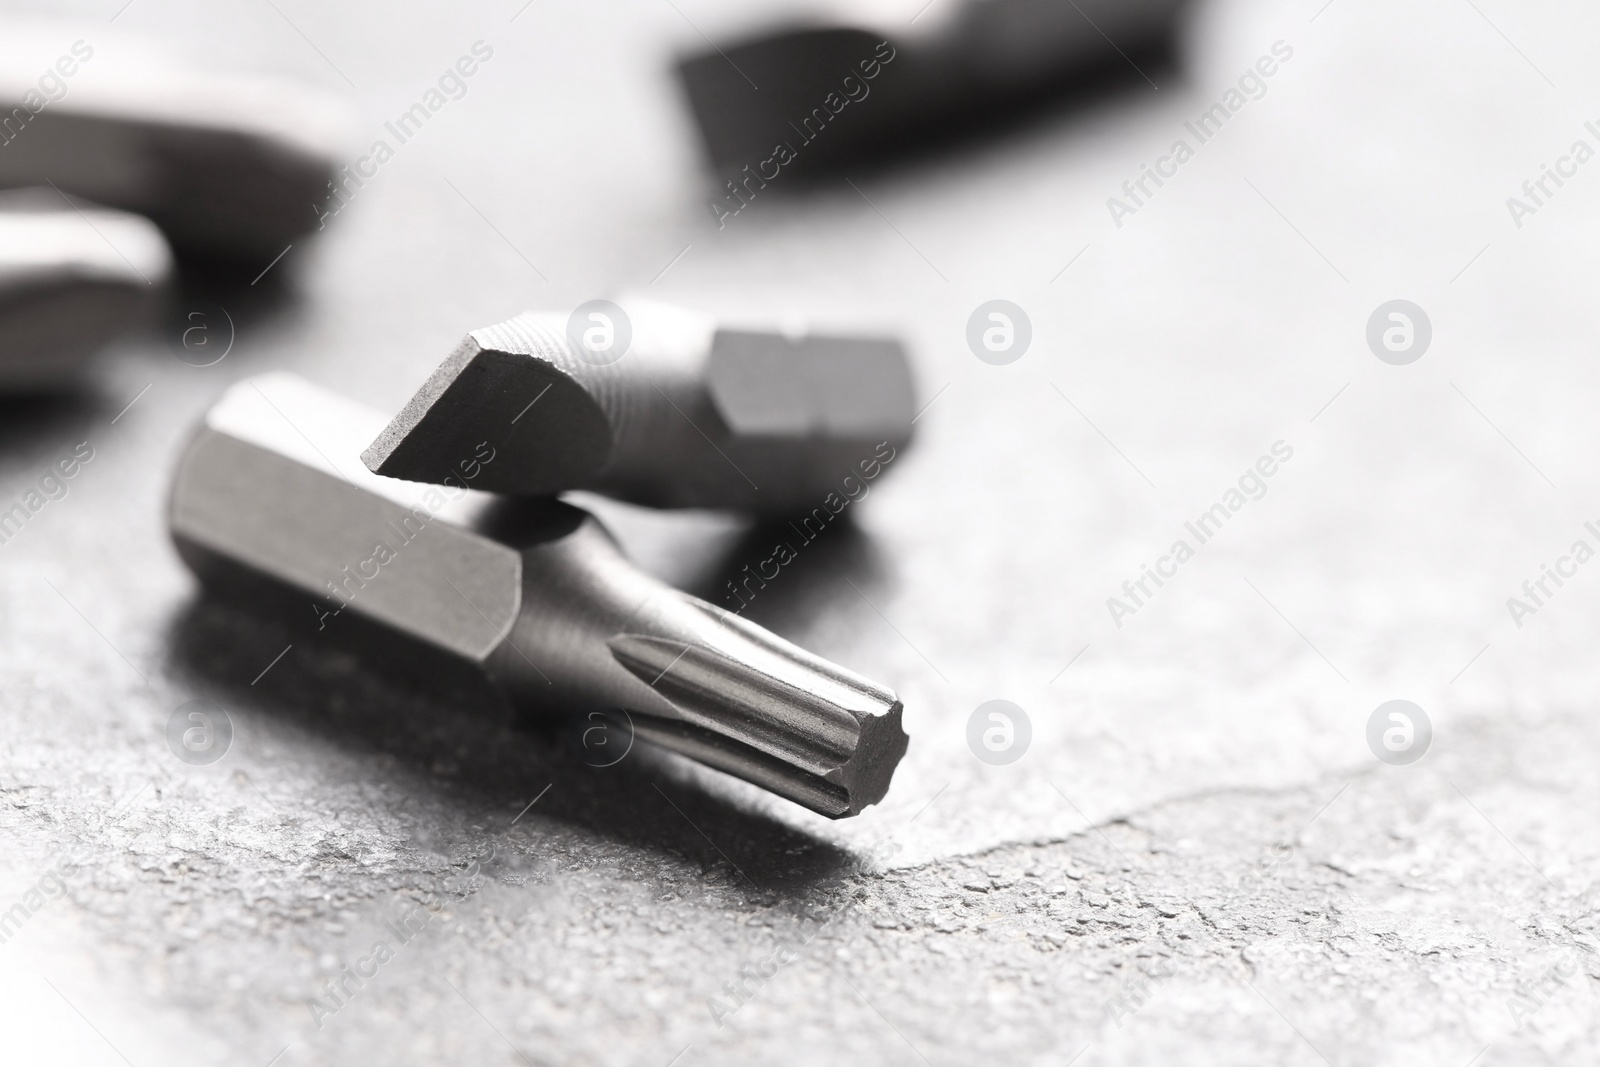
{"x": 1197, "y": 860}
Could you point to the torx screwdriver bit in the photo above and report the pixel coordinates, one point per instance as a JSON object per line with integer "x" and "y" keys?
{"x": 72, "y": 277}
{"x": 859, "y": 76}
{"x": 534, "y": 593}
{"x": 229, "y": 166}
{"x": 690, "y": 414}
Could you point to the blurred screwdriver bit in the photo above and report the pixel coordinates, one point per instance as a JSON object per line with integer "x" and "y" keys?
{"x": 856, "y": 79}
{"x": 72, "y": 277}
{"x": 690, "y": 414}
{"x": 230, "y": 167}
{"x": 533, "y": 593}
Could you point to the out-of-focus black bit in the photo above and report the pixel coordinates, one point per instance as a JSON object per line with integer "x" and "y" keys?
{"x": 72, "y": 278}
{"x": 813, "y": 95}
{"x": 230, "y": 167}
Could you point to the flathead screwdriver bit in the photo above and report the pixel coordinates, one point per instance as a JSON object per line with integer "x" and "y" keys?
{"x": 837, "y": 82}
{"x": 534, "y": 593}
{"x": 72, "y": 278}
{"x": 659, "y": 406}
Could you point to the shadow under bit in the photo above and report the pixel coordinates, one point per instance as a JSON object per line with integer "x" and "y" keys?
{"x": 213, "y": 300}
{"x": 429, "y": 714}
{"x": 31, "y": 417}
{"x": 782, "y": 573}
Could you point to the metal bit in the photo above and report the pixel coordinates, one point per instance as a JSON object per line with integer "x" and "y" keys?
{"x": 534, "y": 593}
{"x": 690, "y": 415}
{"x": 858, "y": 77}
{"x": 71, "y": 279}
{"x": 230, "y": 167}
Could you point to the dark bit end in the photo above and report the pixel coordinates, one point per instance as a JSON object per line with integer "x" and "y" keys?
{"x": 546, "y": 432}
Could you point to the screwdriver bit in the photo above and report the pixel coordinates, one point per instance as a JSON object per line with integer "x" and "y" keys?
{"x": 71, "y": 279}
{"x": 857, "y": 78}
{"x": 691, "y": 414}
{"x": 534, "y": 593}
{"x": 229, "y": 166}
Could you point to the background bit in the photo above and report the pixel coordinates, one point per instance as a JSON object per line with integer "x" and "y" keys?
{"x": 72, "y": 277}
{"x": 231, "y": 167}
{"x": 850, "y": 82}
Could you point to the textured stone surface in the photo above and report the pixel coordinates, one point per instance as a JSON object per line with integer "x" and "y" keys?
{"x": 1376, "y": 916}
{"x": 1165, "y": 821}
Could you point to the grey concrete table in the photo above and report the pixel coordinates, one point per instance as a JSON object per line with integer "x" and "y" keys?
{"x": 1197, "y": 859}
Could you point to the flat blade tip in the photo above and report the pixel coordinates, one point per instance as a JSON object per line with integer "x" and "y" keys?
{"x": 544, "y": 429}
